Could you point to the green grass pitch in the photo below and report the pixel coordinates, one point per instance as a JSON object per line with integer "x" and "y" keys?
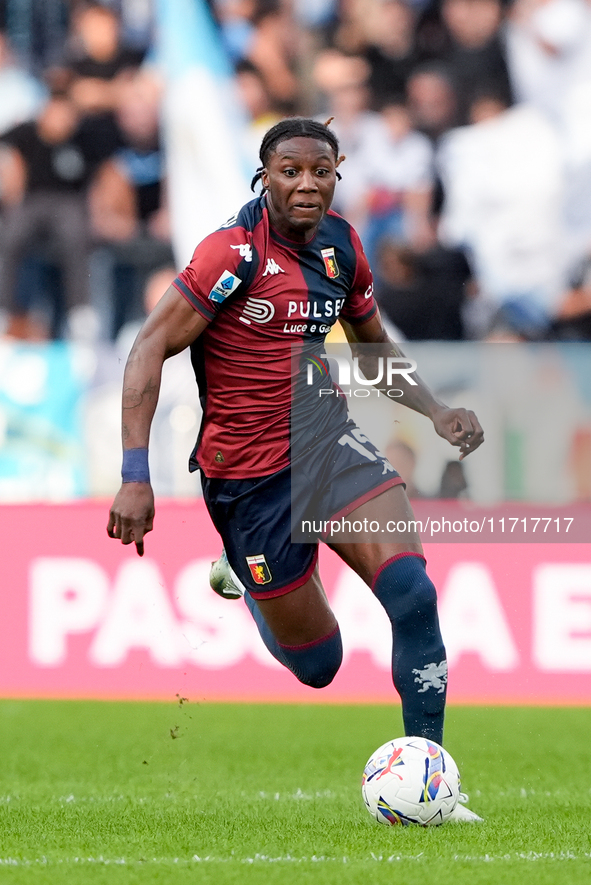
{"x": 188, "y": 792}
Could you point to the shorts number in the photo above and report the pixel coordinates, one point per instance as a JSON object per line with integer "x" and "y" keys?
{"x": 355, "y": 442}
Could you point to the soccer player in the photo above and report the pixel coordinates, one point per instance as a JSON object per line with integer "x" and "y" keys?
{"x": 254, "y": 305}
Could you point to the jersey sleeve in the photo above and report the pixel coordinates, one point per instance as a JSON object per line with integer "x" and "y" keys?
{"x": 221, "y": 267}
{"x": 360, "y": 305}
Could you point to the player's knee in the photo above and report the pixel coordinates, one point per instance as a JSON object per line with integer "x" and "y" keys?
{"x": 403, "y": 586}
{"x": 316, "y": 664}
{"x": 321, "y": 676}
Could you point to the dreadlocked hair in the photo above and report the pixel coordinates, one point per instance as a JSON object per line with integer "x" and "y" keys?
{"x": 294, "y": 127}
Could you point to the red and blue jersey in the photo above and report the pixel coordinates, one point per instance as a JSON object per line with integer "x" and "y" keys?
{"x": 270, "y": 303}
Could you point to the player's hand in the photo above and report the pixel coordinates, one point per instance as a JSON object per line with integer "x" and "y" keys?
{"x": 132, "y": 514}
{"x": 460, "y": 427}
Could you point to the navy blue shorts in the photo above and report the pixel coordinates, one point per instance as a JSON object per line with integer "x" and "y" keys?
{"x": 260, "y": 520}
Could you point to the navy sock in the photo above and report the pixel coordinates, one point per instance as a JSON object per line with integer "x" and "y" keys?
{"x": 419, "y": 666}
{"x": 315, "y": 663}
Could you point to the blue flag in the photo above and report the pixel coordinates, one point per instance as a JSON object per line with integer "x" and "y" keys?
{"x": 204, "y": 125}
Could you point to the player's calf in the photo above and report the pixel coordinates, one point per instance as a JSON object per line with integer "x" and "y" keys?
{"x": 419, "y": 665}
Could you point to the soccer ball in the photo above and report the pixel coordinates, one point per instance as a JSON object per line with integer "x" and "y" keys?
{"x": 411, "y": 780}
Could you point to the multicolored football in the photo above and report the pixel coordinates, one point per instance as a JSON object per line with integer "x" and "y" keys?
{"x": 411, "y": 780}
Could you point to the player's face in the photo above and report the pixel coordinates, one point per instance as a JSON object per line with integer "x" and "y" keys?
{"x": 300, "y": 179}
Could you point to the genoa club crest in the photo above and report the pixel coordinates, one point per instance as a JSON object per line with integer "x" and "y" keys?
{"x": 259, "y": 569}
{"x": 330, "y": 262}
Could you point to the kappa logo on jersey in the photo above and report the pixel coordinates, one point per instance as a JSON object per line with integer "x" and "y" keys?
{"x": 272, "y": 267}
{"x": 260, "y": 571}
{"x": 369, "y": 291}
{"x": 330, "y": 263}
{"x": 227, "y": 283}
{"x": 257, "y": 310}
{"x": 245, "y": 251}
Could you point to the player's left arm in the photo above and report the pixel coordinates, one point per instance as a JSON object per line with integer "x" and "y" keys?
{"x": 458, "y": 426}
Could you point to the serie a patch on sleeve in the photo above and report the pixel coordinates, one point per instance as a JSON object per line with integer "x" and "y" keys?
{"x": 227, "y": 283}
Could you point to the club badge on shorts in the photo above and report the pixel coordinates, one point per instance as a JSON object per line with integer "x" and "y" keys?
{"x": 259, "y": 569}
{"x": 330, "y": 263}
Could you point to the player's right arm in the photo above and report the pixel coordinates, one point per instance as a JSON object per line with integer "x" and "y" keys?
{"x": 171, "y": 327}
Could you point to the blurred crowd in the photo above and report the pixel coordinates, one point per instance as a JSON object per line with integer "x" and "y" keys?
{"x": 84, "y": 218}
{"x": 466, "y": 126}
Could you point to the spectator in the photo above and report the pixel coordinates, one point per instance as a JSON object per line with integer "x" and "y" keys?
{"x": 391, "y": 52}
{"x": 137, "y": 22}
{"x": 262, "y": 32}
{"x": 21, "y": 95}
{"x": 486, "y": 106}
{"x": 97, "y": 58}
{"x": 95, "y": 67}
{"x": 398, "y": 288}
{"x": 399, "y": 177}
{"x": 403, "y": 458}
{"x": 36, "y": 30}
{"x": 548, "y": 50}
{"x": 572, "y": 321}
{"x": 128, "y": 199}
{"x": 128, "y": 194}
{"x": 258, "y": 103}
{"x": 274, "y": 49}
{"x": 45, "y": 176}
{"x": 453, "y": 482}
{"x": 432, "y": 100}
{"x": 342, "y": 81}
{"x": 235, "y": 18}
{"x": 423, "y": 293}
{"x": 503, "y": 181}
{"x": 475, "y": 56}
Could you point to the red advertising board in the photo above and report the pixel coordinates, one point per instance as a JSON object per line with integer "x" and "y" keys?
{"x": 85, "y": 617}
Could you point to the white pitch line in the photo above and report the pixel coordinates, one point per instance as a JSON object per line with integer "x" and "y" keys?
{"x": 529, "y": 856}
